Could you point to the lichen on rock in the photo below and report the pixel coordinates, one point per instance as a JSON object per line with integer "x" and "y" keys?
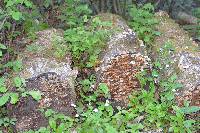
{"x": 185, "y": 59}
{"x": 54, "y": 78}
{"x": 123, "y": 58}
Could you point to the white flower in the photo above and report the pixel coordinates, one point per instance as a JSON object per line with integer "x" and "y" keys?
{"x": 132, "y": 62}
{"x": 73, "y": 105}
{"x": 92, "y": 86}
{"x": 77, "y": 115}
{"x": 107, "y": 103}
{"x": 96, "y": 110}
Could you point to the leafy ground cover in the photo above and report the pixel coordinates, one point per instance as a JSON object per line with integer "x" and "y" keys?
{"x": 95, "y": 114}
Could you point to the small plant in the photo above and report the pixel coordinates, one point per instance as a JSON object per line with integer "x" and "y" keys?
{"x": 5, "y": 122}
{"x": 33, "y": 22}
{"x": 89, "y": 93}
{"x": 12, "y": 11}
{"x": 2, "y": 47}
{"x": 34, "y": 48}
{"x": 12, "y": 97}
{"x": 196, "y": 12}
{"x": 85, "y": 40}
{"x": 59, "y": 47}
{"x": 85, "y": 43}
{"x": 143, "y": 21}
{"x": 7, "y": 95}
{"x": 58, "y": 123}
{"x": 73, "y": 13}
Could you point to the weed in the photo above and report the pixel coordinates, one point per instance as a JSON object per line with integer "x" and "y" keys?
{"x": 95, "y": 113}
{"x": 73, "y": 13}
{"x": 143, "y": 21}
{"x": 144, "y": 112}
{"x": 85, "y": 43}
{"x": 7, "y": 95}
{"x": 59, "y": 47}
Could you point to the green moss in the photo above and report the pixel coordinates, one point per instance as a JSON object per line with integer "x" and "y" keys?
{"x": 172, "y": 32}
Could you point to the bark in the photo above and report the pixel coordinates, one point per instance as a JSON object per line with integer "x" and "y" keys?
{"x": 124, "y": 7}
{"x": 114, "y": 4}
{"x": 119, "y": 7}
{"x": 103, "y": 5}
{"x": 94, "y": 6}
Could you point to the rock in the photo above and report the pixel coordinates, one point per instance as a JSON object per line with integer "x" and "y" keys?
{"x": 184, "y": 18}
{"x": 53, "y": 77}
{"x": 185, "y": 58}
{"x": 123, "y": 58}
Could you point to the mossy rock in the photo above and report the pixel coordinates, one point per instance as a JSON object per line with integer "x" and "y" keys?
{"x": 184, "y": 57}
{"x": 123, "y": 58}
{"x": 52, "y": 76}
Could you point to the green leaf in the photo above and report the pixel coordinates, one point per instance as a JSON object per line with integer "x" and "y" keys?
{"x": 3, "y": 89}
{"x": 148, "y": 6}
{"x": 8, "y": 25}
{"x": 85, "y": 18}
{"x": 89, "y": 64}
{"x": 191, "y": 109}
{"x": 110, "y": 129}
{"x": 157, "y": 33}
{"x": 12, "y": 121}
{"x": 104, "y": 88}
{"x": 19, "y": 1}
{"x": 17, "y": 65}
{"x": 60, "y": 128}
{"x": 16, "y": 15}
{"x": 2, "y": 46}
{"x": 169, "y": 96}
{"x": 155, "y": 73}
{"x": 18, "y": 82}
{"x": 1, "y": 123}
{"x": 49, "y": 112}
{"x": 9, "y": 3}
{"x": 52, "y": 124}
{"x": 14, "y": 98}
{"x": 4, "y": 99}
{"x": 36, "y": 95}
{"x": 158, "y": 64}
{"x": 42, "y": 130}
{"x": 147, "y": 39}
{"x": 173, "y": 78}
{"x": 177, "y": 86}
{"x": 28, "y": 3}
{"x": 189, "y": 123}
{"x": 24, "y": 94}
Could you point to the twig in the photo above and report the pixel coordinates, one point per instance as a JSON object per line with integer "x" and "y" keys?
{"x": 1, "y": 26}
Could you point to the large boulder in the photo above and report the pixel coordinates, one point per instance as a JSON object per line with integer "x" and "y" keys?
{"x": 185, "y": 58}
{"x": 123, "y": 58}
{"x": 52, "y": 76}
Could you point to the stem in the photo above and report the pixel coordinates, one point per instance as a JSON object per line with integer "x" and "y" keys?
{"x": 1, "y": 26}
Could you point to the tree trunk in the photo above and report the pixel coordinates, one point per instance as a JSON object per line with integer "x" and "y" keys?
{"x": 114, "y": 4}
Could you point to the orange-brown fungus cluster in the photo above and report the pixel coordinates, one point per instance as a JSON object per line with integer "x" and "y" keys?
{"x": 120, "y": 74}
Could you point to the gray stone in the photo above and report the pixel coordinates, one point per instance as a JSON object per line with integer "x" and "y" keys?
{"x": 52, "y": 76}
{"x": 185, "y": 59}
{"x": 123, "y": 58}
